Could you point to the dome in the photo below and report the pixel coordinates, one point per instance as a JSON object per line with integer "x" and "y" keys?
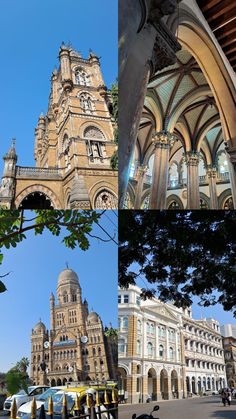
{"x": 68, "y": 277}
{"x": 93, "y": 317}
{"x": 39, "y": 327}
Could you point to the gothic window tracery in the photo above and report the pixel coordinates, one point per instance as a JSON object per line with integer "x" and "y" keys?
{"x": 81, "y": 77}
{"x": 86, "y": 103}
{"x": 95, "y": 146}
{"x": 106, "y": 200}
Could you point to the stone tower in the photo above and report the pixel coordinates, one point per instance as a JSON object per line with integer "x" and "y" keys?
{"x": 39, "y": 354}
{"x": 75, "y": 348}
{"x": 74, "y": 142}
{"x": 7, "y": 188}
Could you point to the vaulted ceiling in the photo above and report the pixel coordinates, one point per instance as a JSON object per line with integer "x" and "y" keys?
{"x": 171, "y": 89}
{"x": 221, "y": 16}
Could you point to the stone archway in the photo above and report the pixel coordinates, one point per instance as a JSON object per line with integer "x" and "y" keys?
{"x": 53, "y": 382}
{"x": 43, "y": 191}
{"x": 174, "y": 384}
{"x": 194, "y": 390}
{"x": 199, "y": 385}
{"x": 164, "y": 385}
{"x": 152, "y": 384}
{"x": 64, "y": 381}
{"x": 59, "y": 382}
{"x": 188, "y": 386}
{"x": 122, "y": 383}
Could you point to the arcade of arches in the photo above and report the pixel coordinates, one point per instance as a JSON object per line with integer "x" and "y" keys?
{"x": 164, "y": 353}
{"x": 179, "y": 140}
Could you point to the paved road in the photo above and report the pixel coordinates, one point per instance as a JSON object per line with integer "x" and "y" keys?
{"x": 196, "y": 408}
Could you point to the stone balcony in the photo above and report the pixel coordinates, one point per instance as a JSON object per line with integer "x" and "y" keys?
{"x": 38, "y": 173}
{"x": 221, "y": 178}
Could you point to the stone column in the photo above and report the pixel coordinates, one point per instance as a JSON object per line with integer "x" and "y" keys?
{"x": 162, "y": 142}
{"x": 212, "y": 175}
{"x": 146, "y": 45}
{"x": 192, "y": 161}
{"x": 231, "y": 154}
{"x": 140, "y": 176}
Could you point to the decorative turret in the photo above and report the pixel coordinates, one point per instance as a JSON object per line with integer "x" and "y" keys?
{"x": 66, "y": 75}
{"x": 7, "y": 188}
{"x": 55, "y": 96}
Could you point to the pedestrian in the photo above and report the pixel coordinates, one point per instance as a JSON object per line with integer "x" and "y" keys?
{"x": 229, "y": 397}
{"x": 223, "y": 397}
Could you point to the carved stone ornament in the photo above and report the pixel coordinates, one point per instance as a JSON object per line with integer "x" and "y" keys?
{"x": 160, "y": 8}
{"x": 163, "y": 139}
{"x": 211, "y": 172}
{"x": 192, "y": 158}
{"x": 165, "y": 48}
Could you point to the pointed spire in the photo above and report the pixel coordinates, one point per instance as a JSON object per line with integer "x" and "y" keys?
{"x": 11, "y": 154}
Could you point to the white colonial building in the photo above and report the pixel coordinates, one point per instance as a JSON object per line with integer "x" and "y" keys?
{"x": 163, "y": 352}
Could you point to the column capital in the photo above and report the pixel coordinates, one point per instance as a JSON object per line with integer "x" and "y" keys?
{"x": 211, "y": 171}
{"x": 163, "y": 139}
{"x": 192, "y": 158}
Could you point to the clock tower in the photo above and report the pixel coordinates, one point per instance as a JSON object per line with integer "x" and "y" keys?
{"x": 76, "y": 348}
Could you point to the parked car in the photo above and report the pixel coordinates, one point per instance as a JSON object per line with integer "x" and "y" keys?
{"x": 40, "y": 400}
{"x": 71, "y": 396}
{"x": 209, "y": 392}
{"x": 2, "y": 400}
{"x": 22, "y": 397}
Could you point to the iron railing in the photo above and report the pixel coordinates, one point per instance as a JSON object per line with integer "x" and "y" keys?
{"x": 92, "y": 409}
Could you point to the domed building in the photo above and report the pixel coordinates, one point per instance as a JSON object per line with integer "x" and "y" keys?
{"x": 75, "y": 348}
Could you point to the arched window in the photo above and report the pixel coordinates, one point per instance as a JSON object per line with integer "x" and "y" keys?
{"x": 66, "y": 151}
{"x": 86, "y": 103}
{"x": 171, "y": 353}
{"x": 161, "y": 351}
{"x": 139, "y": 326}
{"x": 150, "y": 348}
{"x": 81, "y": 77}
{"x": 95, "y": 144}
{"x": 65, "y": 297}
{"x": 121, "y": 346}
{"x": 125, "y": 322}
{"x": 105, "y": 200}
{"x": 138, "y": 347}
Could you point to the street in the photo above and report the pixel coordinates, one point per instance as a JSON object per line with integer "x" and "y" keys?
{"x": 196, "y": 408}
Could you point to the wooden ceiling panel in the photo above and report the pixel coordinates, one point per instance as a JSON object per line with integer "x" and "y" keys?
{"x": 221, "y": 16}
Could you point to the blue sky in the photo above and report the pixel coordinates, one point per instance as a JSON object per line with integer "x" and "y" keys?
{"x": 31, "y": 33}
{"x": 35, "y": 265}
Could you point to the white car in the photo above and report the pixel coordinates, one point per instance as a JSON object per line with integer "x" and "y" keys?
{"x": 23, "y": 397}
{"x": 40, "y": 400}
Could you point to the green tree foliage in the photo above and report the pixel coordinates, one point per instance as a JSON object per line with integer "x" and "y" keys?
{"x": 74, "y": 228}
{"x": 179, "y": 255}
{"x": 17, "y": 378}
{"x": 114, "y": 93}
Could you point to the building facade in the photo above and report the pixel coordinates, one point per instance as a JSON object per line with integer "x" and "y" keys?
{"x": 75, "y": 348}
{"x": 163, "y": 352}
{"x": 73, "y": 144}
{"x": 229, "y": 342}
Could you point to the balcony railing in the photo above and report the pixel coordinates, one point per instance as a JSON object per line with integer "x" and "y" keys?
{"x": 203, "y": 180}
{"x": 38, "y": 172}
